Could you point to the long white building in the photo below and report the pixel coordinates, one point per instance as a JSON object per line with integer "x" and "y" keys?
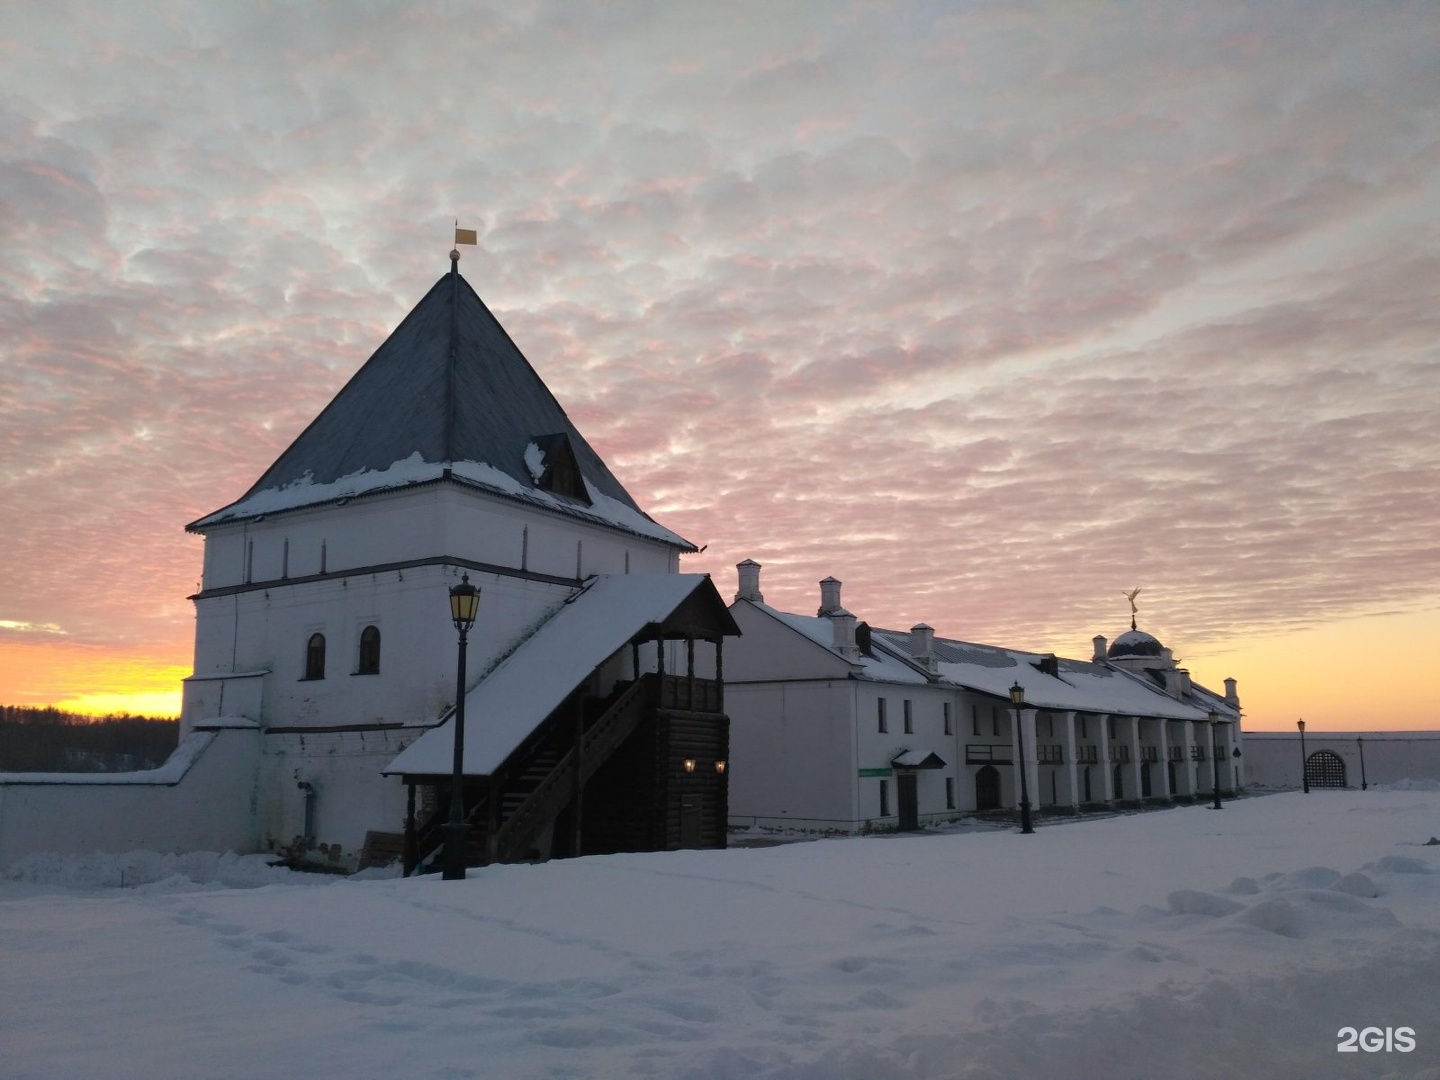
{"x": 837, "y": 725}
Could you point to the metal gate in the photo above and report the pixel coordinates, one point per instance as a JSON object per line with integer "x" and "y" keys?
{"x": 1325, "y": 768}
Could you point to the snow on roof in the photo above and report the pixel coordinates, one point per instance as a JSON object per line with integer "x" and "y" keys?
{"x": 1080, "y": 686}
{"x": 414, "y": 469}
{"x": 169, "y": 774}
{"x": 529, "y": 684}
{"x": 447, "y": 387}
{"x": 918, "y": 759}
{"x": 820, "y": 629}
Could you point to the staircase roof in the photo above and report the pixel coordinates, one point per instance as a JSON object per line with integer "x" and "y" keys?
{"x": 532, "y": 682}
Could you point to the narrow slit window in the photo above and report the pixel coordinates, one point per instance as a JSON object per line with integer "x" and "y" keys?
{"x": 882, "y": 722}
{"x": 909, "y": 717}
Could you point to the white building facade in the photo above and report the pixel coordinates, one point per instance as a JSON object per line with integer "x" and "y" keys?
{"x": 836, "y": 726}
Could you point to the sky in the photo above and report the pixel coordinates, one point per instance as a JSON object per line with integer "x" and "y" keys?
{"x": 1174, "y": 945}
{"x": 993, "y": 311}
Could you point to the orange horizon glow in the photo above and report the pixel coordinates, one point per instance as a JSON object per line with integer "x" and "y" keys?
{"x": 1329, "y": 675}
{"x": 93, "y": 680}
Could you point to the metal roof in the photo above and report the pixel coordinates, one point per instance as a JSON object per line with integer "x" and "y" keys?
{"x": 449, "y": 385}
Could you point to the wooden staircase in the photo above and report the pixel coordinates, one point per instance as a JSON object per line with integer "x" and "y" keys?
{"x": 539, "y": 780}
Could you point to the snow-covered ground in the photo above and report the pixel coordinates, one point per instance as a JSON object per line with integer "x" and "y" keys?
{"x": 1182, "y": 943}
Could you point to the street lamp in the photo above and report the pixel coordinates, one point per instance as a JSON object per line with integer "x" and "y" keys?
{"x": 1215, "y": 757}
{"x": 1360, "y": 742}
{"x": 1017, "y": 698}
{"x": 464, "y": 603}
{"x": 1304, "y": 772}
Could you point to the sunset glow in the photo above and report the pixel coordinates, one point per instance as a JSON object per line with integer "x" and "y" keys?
{"x": 993, "y": 312}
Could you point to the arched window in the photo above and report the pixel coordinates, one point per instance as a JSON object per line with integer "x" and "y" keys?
{"x": 369, "y": 651}
{"x": 315, "y": 657}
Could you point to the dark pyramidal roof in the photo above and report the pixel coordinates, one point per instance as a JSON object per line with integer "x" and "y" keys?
{"x": 451, "y": 386}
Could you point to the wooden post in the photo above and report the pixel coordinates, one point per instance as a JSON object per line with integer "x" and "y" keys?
{"x": 412, "y": 842}
{"x": 720, "y": 674}
{"x": 690, "y": 675}
{"x": 492, "y": 820}
{"x": 577, "y": 800}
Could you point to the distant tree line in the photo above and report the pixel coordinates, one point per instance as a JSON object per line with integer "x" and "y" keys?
{"x": 51, "y": 740}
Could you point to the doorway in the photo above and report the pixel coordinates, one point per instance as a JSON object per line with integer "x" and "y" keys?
{"x": 987, "y": 788}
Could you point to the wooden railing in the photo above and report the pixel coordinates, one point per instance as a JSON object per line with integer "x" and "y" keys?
{"x": 602, "y": 738}
{"x": 988, "y": 754}
{"x": 691, "y": 695}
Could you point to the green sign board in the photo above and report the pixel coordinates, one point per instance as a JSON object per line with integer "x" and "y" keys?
{"x": 876, "y": 772}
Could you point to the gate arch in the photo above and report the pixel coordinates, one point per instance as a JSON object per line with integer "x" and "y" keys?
{"x": 1325, "y": 768}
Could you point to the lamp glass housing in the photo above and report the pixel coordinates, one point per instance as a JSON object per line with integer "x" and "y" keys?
{"x": 1017, "y": 695}
{"x": 464, "y": 604}
{"x": 689, "y": 764}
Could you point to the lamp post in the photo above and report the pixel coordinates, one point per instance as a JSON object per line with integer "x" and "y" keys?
{"x": 464, "y": 603}
{"x": 1304, "y": 773}
{"x": 1215, "y": 758}
{"x": 1360, "y": 742}
{"x": 1017, "y": 698}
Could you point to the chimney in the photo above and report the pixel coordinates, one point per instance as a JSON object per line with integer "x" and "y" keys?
{"x": 749, "y": 572}
{"x": 843, "y": 625}
{"x": 1049, "y": 664}
{"x": 829, "y": 597}
{"x": 1184, "y": 681}
{"x": 1099, "y": 657}
{"x": 1231, "y": 698}
{"x": 922, "y": 646}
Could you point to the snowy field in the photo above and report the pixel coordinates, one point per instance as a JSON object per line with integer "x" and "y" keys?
{"x": 1182, "y": 943}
